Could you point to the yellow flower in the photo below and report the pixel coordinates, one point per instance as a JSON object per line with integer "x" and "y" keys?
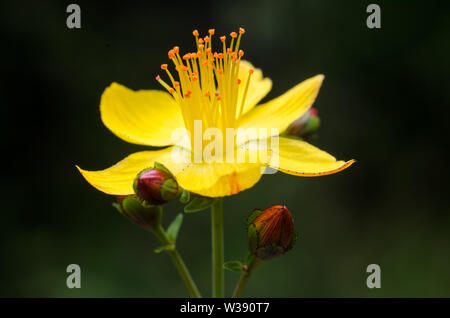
{"x": 221, "y": 90}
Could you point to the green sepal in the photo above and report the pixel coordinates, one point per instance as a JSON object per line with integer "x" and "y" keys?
{"x": 147, "y": 217}
{"x": 234, "y": 266}
{"x": 185, "y": 196}
{"x": 118, "y": 207}
{"x": 160, "y": 249}
{"x": 174, "y": 227}
{"x": 252, "y": 238}
{"x": 293, "y": 241}
{"x": 253, "y": 216}
{"x": 311, "y": 125}
{"x": 169, "y": 189}
{"x": 199, "y": 204}
{"x": 161, "y": 167}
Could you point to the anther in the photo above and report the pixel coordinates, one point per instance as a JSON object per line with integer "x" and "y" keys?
{"x": 164, "y": 66}
{"x": 241, "y": 30}
{"x": 158, "y": 77}
{"x": 200, "y": 41}
{"x": 238, "y": 81}
{"x": 206, "y": 39}
{"x": 171, "y": 54}
{"x": 207, "y": 94}
{"x": 251, "y": 71}
{"x": 195, "y": 32}
{"x": 187, "y": 56}
{"x": 171, "y": 90}
{"x": 176, "y": 84}
{"x": 222, "y": 38}
{"x": 233, "y": 34}
{"x": 208, "y": 50}
{"x": 241, "y": 53}
{"x": 176, "y": 49}
{"x": 211, "y": 31}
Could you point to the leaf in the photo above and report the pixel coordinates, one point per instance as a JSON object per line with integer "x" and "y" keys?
{"x": 185, "y": 196}
{"x": 234, "y": 266}
{"x": 160, "y": 249}
{"x": 198, "y": 204}
{"x": 174, "y": 227}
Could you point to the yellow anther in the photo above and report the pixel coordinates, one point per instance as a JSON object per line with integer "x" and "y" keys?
{"x": 195, "y": 32}
{"x": 164, "y": 66}
{"x": 223, "y": 38}
{"x": 211, "y": 31}
{"x": 233, "y": 34}
{"x": 241, "y": 30}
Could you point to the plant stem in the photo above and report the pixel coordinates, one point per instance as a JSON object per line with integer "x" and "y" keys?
{"x": 217, "y": 248}
{"x": 178, "y": 261}
{"x": 252, "y": 264}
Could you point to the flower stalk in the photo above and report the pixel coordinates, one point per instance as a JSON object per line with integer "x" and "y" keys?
{"x": 252, "y": 264}
{"x": 217, "y": 248}
{"x": 178, "y": 261}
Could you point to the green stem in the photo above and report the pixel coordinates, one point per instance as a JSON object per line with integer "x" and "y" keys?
{"x": 217, "y": 247}
{"x": 252, "y": 264}
{"x": 178, "y": 261}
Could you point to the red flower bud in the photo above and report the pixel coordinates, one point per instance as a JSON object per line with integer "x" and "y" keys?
{"x": 270, "y": 232}
{"x": 156, "y": 185}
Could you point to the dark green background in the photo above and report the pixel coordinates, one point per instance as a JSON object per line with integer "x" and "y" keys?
{"x": 385, "y": 102}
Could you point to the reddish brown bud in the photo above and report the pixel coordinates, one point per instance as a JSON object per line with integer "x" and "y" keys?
{"x": 270, "y": 232}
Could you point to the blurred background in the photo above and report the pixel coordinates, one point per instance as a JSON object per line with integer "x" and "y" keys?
{"x": 385, "y": 102}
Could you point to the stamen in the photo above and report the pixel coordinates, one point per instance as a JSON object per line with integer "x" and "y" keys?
{"x": 195, "y": 33}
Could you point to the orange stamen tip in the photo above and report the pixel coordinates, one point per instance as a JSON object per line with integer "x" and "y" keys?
{"x": 176, "y": 84}
{"x": 211, "y": 31}
{"x": 220, "y": 72}
{"x": 199, "y": 54}
{"x": 201, "y": 46}
{"x": 218, "y": 97}
{"x": 194, "y": 78}
{"x": 176, "y": 49}
{"x": 241, "y": 30}
{"x": 215, "y": 55}
{"x": 251, "y": 71}
{"x": 229, "y": 50}
{"x": 195, "y": 32}
{"x": 222, "y": 38}
{"x": 220, "y": 55}
{"x": 200, "y": 41}
{"x": 241, "y": 53}
{"x": 171, "y": 54}
{"x": 158, "y": 77}
{"x": 233, "y": 34}
{"x": 171, "y": 90}
{"x": 238, "y": 81}
{"x": 184, "y": 68}
{"x": 207, "y": 94}
{"x": 164, "y": 66}
{"x": 187, "y": 56}
{"x": 206, "y": 39}
{"x": 208, "y": 50}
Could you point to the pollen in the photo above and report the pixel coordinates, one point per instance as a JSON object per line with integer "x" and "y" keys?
{"x": 209, "y": 84}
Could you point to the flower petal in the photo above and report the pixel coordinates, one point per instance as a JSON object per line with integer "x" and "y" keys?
{"x": 118, "y": 179}
{"x": 144, "y": 117}
{"x": 299, "y": 158}
{"x": 285, "y": 109}
{"x": 219, "y": 179}
{"x": 258, "y": 88}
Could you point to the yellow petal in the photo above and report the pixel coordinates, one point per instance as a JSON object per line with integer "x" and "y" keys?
{"x": 219, "y": 179}
{"x": 145, "y": 117}
{"x": 258, "y": 88}
{"x": 299, "y": 158}
{"x": 118, "y": 179}
{"x": 285, "y": 109}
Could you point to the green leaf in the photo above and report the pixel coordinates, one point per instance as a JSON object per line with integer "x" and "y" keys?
{"x": 174, "y": 227}
{"x": 185, "y": 196}
{"x": 234, "y": 266}
{"x": 199, "y": 204}
{"x": 118, "y": 207}
{"x": 164, "y": 248}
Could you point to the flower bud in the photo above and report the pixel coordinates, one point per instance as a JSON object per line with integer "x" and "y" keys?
{"x": 270, "y": 232}
{"x": 156, "y": 186}
{"x": 147, "y": 217}
{"x": 306, "y": 125}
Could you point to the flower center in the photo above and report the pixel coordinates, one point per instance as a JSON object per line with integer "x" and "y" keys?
{"x": 209, "y": 83}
